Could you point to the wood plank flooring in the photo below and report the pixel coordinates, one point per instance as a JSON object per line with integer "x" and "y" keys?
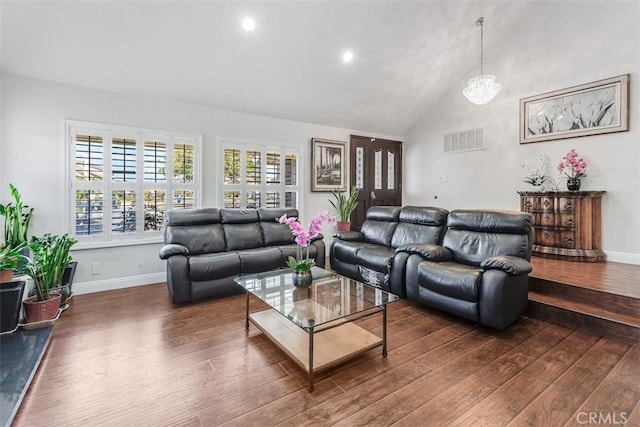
{"x": 129, "y": 357}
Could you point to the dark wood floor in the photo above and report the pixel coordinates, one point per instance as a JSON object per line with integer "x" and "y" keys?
{"x": 128, "y": 357}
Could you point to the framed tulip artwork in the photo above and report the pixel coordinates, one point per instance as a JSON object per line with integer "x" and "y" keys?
{"x": 588, "y": 109}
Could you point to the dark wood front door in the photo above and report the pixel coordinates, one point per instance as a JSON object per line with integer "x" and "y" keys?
{"x": 376, "y": 169}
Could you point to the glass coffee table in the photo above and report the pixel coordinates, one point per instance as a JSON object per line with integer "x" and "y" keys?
{"x": 315, "y": 325}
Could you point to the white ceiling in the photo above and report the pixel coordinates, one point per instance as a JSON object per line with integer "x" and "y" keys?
{"x": 406, "y": 53}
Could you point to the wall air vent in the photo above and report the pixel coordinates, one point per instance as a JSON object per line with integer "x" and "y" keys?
{"x": 466, "y": 140}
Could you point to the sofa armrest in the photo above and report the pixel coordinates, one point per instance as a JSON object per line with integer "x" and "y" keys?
{"x": 172, "y": 249}
{"x": 318, "y": 237}
{"x": 511, "y": 265}
{"x": 428, "y": 251}
{"x": 354, "y": 236}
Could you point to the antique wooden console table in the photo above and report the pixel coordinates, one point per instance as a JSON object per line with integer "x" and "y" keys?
{"x": 567, "y": 224}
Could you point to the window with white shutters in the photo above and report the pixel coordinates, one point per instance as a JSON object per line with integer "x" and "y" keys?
{"x": 123, "y": 180}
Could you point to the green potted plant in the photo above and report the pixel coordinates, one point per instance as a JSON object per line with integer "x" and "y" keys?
{"x": 10, "y": 292}
{"x": 49, "y": 259}
{"x": 344, "y": 206}
{"x": 17, "y": 217}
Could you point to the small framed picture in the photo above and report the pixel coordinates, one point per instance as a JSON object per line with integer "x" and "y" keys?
{"x": 328, "y": 165}
{"x": 588, "y": 109}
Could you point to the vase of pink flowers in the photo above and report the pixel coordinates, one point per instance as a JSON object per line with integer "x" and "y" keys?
{"x": 573, "y": 167}
{"x": 302, "y": 263}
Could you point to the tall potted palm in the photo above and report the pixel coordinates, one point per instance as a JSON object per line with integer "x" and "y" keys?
{"x": 344, "y": 206}
{"x": 49, "y": 258}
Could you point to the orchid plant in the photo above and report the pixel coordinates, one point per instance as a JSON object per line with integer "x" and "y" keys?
{"x": 303, "y": 236}
{"x": 537, "y": 176}
{"x": 572, "y": 165}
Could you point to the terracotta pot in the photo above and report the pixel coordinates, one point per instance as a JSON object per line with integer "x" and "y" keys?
{"x": 344, "y": 225}
{"x": 6, "y": 276}
{"x": 37, "y": 311}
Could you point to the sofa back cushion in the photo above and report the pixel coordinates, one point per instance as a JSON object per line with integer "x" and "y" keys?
{"x": 474, "y": 235}
{"x": 241, "y": 229}
{"x": 273, "y": 232}
{"x": 380, "y": 224}
{"x": 420, "y": 224}
{"x": 199, "y": 230}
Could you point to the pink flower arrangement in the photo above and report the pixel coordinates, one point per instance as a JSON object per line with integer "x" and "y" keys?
{"x": 305, "y": 235}
{"x": 572, "y": 165}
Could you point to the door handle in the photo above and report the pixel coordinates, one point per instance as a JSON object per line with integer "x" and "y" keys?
{"x": 372, "y": 195}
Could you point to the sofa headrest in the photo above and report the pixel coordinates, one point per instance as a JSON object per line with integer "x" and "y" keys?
{"x": 383, "y": 213}
{"x": 201, "y": 216}
{"x": 425, "y": 215}
{"x": 491, "y": 221}
{"x": 272, "y": 214}
{"x": 238, "y": 216}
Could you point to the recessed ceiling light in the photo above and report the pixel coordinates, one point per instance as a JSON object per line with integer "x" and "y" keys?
{"x": 249, "y": 24}
{"x": 347, "y": 56}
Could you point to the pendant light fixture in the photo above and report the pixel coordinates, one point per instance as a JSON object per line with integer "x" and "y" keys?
{"x": 482, "y": 88}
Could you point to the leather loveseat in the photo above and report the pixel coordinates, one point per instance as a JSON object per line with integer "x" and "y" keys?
{"x": 207, "y": 248}
{"x": 480, "y": 272}
{"x": 370, "y": 255}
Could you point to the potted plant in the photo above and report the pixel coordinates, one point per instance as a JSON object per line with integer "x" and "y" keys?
{"x": 10, "y": 257}
{"x": 344, "y": 206}
{"x": 10, "y": 292}
{"x": 17, "y": 217}
{"x": 49, "y": 259}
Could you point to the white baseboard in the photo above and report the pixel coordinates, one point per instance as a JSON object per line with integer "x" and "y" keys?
{"x": 119, "y": 283}
{"x": 623, "y": 257}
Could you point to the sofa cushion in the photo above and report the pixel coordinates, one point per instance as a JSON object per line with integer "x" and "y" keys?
{"x": 419, "y": 225}
{"x": 198, "y": 239}
{"x": 378, "y": 232}
{"x": 242, "y": 236}
{"x": 451, "y": 279}
{"x": 472, "y": 247}
{"x": 346, "y": 251}
{"x": 259, "y": 260}
{"x": 214, "y": 266}
{"x": 238, "y": 216}
{"x": 377, "y": 258}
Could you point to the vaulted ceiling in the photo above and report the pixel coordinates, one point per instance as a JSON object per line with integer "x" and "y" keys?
{"x": 406, "y": 53}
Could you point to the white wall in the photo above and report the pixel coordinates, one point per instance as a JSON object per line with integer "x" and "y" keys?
{"x": 33, "y": 159}
{"x": 563, "y": 45}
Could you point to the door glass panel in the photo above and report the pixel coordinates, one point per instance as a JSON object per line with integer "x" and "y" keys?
{"x": 378, "y": 170}
{"x": 359, "y": 167}
{"x": 391, "y": 166}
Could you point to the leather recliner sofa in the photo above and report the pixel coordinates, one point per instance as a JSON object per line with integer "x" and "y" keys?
{"x": 207, "y": 248}
{"x": 370, "y": 255}
{"x": 480, "y": 272}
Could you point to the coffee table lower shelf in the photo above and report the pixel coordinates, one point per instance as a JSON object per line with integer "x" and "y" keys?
{"x": 329, "y": 347}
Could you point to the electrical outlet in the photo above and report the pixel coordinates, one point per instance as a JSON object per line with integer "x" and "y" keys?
{"x": 96, "y": 268}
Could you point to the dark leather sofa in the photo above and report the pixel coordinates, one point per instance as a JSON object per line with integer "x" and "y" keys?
{"x": 207, "y": 248}
{"x": 370, "y": 255}
{"x": 479, "y": 272}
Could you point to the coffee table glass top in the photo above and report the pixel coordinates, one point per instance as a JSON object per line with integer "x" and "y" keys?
{"x": 329, "y": 298}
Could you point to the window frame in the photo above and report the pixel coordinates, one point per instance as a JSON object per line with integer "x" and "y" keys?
{"x": 108, "y": 132}
{"x": 243, "y": 187}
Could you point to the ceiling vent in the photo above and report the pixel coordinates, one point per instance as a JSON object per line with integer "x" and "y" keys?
{"x": 466, "y": 140}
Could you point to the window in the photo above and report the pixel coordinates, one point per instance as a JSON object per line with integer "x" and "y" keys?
{"x": 259, "y": 176}
{"x": 124, "y": 179}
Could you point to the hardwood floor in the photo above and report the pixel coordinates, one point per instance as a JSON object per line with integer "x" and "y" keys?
{"x": 129, "y": 357}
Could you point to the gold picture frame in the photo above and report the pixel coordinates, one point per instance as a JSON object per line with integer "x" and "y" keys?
{"x": 589, "y": 109}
